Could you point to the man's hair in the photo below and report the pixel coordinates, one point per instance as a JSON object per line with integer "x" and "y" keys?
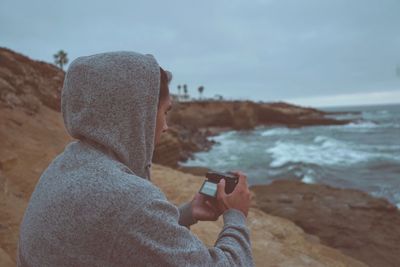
{"x": 164, "y": 91}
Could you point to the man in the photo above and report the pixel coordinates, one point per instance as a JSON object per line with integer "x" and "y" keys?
{"x": 95, "y": 204}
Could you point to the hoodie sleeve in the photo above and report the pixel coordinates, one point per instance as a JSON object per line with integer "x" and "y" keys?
{"x": 185, "y": 215}
{"x": 153, "y": 237}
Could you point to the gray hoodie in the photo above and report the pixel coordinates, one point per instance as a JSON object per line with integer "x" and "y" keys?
{"x": 95, "y": 204}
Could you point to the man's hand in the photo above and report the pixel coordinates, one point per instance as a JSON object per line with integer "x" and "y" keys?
{"x": 205, "y": 208}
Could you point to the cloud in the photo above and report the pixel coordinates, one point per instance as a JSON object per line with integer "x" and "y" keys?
{"x": 385, "y": 97}
{"x": 261, "y": 50}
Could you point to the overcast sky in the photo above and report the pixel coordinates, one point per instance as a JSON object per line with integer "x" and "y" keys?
{"x": 310, "y": 52}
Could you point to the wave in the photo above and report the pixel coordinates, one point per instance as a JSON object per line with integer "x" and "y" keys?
{"x": 365, "y": 115}
{"x": 308, "y": 179}
{"x": 327, "y": 142}
{"x": 279, "y": 131}
{"x": 222, "y": 136}
{"x": 376, "y": 115}
{"x": 365, "y": 126}
{"x": 361, "y": 125}
{"x": 346, "y": 116}
{"x": 323, "y": 151}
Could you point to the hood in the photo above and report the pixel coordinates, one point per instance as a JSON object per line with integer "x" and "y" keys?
{"x": 110, "y": 101}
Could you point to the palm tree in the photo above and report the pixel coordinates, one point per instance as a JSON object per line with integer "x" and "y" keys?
{"x": 179, "y": 90}
{"x": 201, "y": 90}
{"x": 185, "y": 91}
{"x": 60, "y": 59}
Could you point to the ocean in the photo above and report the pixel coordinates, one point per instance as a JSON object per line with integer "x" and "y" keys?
{"x": 364, "y": 154}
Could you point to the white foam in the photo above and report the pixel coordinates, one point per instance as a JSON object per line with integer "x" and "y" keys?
{"x": 308, "y": 179}
{"x": 223, "y": 154}
{"x": 322, "y": 151}
{"x": 362, "y": 125}
{"x": 278, "y": 131}
{"x": 325, "y": 141}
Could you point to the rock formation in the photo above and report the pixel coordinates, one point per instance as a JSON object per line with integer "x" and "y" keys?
{"x": 352, "y": 221}
{"x": 28, "y": 84}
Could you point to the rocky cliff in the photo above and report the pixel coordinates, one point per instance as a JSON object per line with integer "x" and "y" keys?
{"x": 28, "y": 84}
{"x": 240, "y": 115}
{"x": 354, "y": 222}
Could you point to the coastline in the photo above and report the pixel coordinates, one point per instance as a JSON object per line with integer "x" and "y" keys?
{"x": 191, "y": 123}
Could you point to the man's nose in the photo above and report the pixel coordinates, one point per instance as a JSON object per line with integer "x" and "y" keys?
{"x": 165, "y": 128}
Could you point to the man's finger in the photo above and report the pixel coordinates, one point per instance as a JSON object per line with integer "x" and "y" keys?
{"x": 221, "y": 189}
{"x": 242, "y": 178}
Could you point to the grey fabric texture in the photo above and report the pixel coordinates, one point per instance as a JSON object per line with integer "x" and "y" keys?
{"x": 95, "y": 204}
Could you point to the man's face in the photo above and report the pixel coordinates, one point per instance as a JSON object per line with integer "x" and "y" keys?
{"x": 161, "y": 122}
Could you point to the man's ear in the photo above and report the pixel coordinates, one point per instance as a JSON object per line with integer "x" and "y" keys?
{"x": 169, "y": 75}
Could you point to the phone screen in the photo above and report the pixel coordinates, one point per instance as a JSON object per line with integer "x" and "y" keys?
{"x": 209, "y": 189}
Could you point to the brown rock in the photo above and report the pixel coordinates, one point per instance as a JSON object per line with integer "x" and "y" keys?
{"x": 245, "y": 115}
{"x": 179, "y": 143}
{"x": 352, "y": 221}
{"x": 27, "y": 83}
{"x": 168, "y": 151}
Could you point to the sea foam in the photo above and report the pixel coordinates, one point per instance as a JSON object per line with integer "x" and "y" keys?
{"x": 322, "y": 151}
{"x": 279, "y": 131}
